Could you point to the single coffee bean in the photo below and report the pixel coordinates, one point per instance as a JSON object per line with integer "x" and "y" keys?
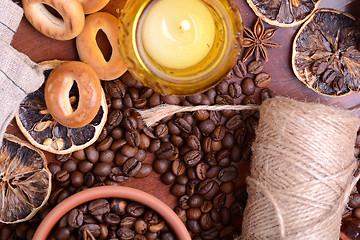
{"x": 165, "y": 151}
{"x": 234, "y": 123}
{"x": 227, "y": 187}
{"x": 115, "y": 117}
{"x": 133, "y": 138}
{"x": 206, "y": 206}
{"x": 195, "y": 201}
{"x": 117, "y": 175}
{"x": 130, "y": 123}
{"x": 131, "y": 167}
{"x": 128, "y": 222}
{"x": 145, "y": 170}
{"x": 212, "y": 233}
{"x": 77, "y": 178}
{"x": 193, "y": 142}
{"x": 168, "y": 178}
{"x": 192, "y": 158}
{"x": 154, "y": 100}
{"x": 173, "y": 100}
{"x": 62, "y": 176}
{"x": 193, "y": 226}
{"x": 62, "y": 233}
{"x": 79, "y": 155}
{"x": 266, "y": 94}
{"x": 176, "y": 140}
{"x": 135, "y": 209}
{"x": 206, "y": 221}
{"x": 125, "y": 233}
{"x": 144, "y": 141}
{"x": 178, "y": 167}
{"x": 213, "y": 171}
{"x": 215, "y": 116}
{"x": 206, "y": 144}
{"x": 178, "y": 189}
{"x": 102, "y": 169}
{"x": 107, "y": 156}
{"x": 161, "y": 165}
{"x": 184, "y": 202}
{"x": 118, "y": 206}
{"x": 225, "y": 216}
{"x": 255, "y": 67}
{"x": 104, "y": 231}
{"x": 75, "y": 218}
{"x": 195, "y": 98}
{"x": 229, "y": 140}
{"x": 116, "y": 103}
{"x": 224, "y": 100}
{"x": 118, "y": 144}
{"x": 222, "y": 87}
{"x": 228, "y": 174}
{"x": 219, "y": 201}
{"x": 105, "y": 144}
{"x": 240, "y": 69}
{"x": 54, "y": 168}
{"x": 191, "y": 186}
{"x": 181, "y": 214}
{"x": 183, "y": 125}
{"x": 193, "y": 213}
{"x": 139, "y": 237}
{"x": 182, "y": 179}
{"x": 98, "y": 207}
{"x": 201, "y": 171}
{"x": 127, "y": 101}
{"x": 128, "y": 150}
{"x": 219, "y": 133}
{"x": 262, "y": 80}
{"x": 69, "y": 165}
{"x": 215, "y": 215}
{"x": 140, "y": 226}
{"x": 191, "y": 173}
{"x": 201, "y": 115}
{"x": 235, "y": 90}
{"x": 115, "y": 88}
{"x": 154, "y": 145}
{"x": 161, "y": 130}
{"x": 207, "y": 126}
{"x": 248, "y": 86}
{"x": 216, "y": 146}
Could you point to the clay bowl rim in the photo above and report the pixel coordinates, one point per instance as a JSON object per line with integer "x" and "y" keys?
{"x": 170, "y": 217}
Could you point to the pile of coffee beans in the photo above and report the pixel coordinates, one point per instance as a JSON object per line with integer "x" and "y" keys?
{"x": 112, "y": 219}
{"x": 197, "y": 154}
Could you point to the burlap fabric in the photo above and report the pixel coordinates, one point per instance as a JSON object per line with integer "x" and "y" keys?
{"x": 18, "y": 74}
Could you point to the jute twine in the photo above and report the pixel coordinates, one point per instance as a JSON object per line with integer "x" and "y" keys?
{"x": 301, "y": 170}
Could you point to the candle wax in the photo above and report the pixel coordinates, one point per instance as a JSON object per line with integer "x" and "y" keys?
{"x": 177, "y": 34}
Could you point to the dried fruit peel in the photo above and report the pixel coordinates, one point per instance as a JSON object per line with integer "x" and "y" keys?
{"x": 25, "y": 180}
{"x": 42, "y": 131}
{"x": 333, "y": 41}
{"x": 284, "y": 13}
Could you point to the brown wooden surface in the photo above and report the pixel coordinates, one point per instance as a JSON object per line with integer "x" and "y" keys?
{"x": 40, "y": 48}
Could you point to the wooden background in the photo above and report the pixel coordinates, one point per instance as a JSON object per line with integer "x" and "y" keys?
{"x": 40, "y": 48}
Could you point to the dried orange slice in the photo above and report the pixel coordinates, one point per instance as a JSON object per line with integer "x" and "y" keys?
{"x": 42, "y": 131}
{"x": 25, "y": 180}
{"x": 284, "y": 13}
{"x": 325, "y": 53}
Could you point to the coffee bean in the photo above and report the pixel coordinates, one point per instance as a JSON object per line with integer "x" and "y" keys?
{"x": 219, "y": 200}
{"x": 248, "y": 86}
{"x": 178, "y": 167}
{"x": 161, "y": 165}
{"x": 266, "y": 94}
{"x": 168, "y": 178}
{"x": 118, "y": 144}
{"x": 228, "y": 174}
{"x": 207, "y": 126}
{"x": 107, "y": 156}
{"x": 145, "y": 170}
{"x": 192, "y": 157}
{"x": 116, "y": 103}
{"x": 225, "y": 216}
{"x": 131, "y": 167}
{"x": 227, "y": 187}
{"x": 115, "y": 117}
{"x": 154, "y": 100}
{"x": 118, "y": 206}
{"x": 201, "y": 171}
{"x": 77, "y": 178}
{"x": 176, "y": 140}
{"x": 140, "y": 226}
{"x": 206, "y": 144}
{"x": 195, "y": 201}
{"x": 133, "y": 138}
{"x": 128, "y": 222}
{"x": 206, "y": 206}
{"x": 224, "y": 100}
{"x": 62, "y": 233}
{"x": 191, "y": 173}
{"x": 193, "y": 213}
{"x": 184, "y": 202}
{"x": 183, "y": 125}
{"x": 98, "y": 207}
{"x": 125, "y": 233}
{"x": 182, "y": 179}
{"x": 240, "y": 69}
{"x": 154, "y": 145}
{"x": 128, "y": 150}
{"x": 75, "y": 218}
{"x": 79, "y": 155}
{"x": 213, "y": 171}
{"x": 178, "y": 189}
{"x": 117, "y": 175}
{"x": 104, "y": 231}
{"x": 161, "y": 130}
{"x": 194, "y": 99}
{"x": 144, "y": 141}
{"x": 215, "y": 215}
{"x": 222, "y": 87}
{"x": 206, "y": 221}
{"x": 229, "y": 140}
{"x": 115, "y": 88}
{"x": 191, "y": 187}
{"x": 102, "y": 169}
{"x": 234, "y": 123}
{"x": 62, "y": 176}
{"x": 193, "y": 226}
{"x": 166, "y": 151}
{"x": 216, "y": 146}
{"x": 201, "y": 115}
{"x": 139, "y": 237}
{"x": 219, "y": 133}
{"x": 140, "y": 155}
{"x": 135, "y": 209}
{"x": 130, "y": 123}
{"x": 212, "y": 233}
{"x": 262, "y": 80}
{"x": 215, "y": 116}
{"x": 181, "y": 214}
{"x": 255, "y": 67}
{"x": 235, "y": 90}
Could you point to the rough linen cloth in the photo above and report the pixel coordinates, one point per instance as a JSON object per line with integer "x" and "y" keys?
{"x": 18, "y": 74}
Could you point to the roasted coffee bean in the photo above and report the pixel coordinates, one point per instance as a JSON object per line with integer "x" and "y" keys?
{"x": 134, "y": 94}
{"x": 216, "y": 146}
{"x": 195, "y": 201}
{"x": 102, "y": 169}
{"x": 222, "y": 87}
{"x": 128, "y": 222}
{"x": 130, "y": 123}
{"x": 176, "y": 140}
{"x": 191, "y": 173}
{"x": 215, "y": 215}
{"x": 154, "y": 100}
{"x": 168, "y": 178}
{"x": 248, "y": 86}
{"x": 201, "y": 171}
{"x": 235, "y": 90}
{"x": 99, "y": 206}
{"x": 167, "y": 236}
{"x": 208, "y": 188}
{"x": 227, "y": 187}
{"x": 161, "y": 130}
{"x": 193, "y": 142}
{"x": 255, "y": 67}
{"x": 117, "y": 133}
{"x": 354, "y": 200}
{"x": 207, "y": 126}
{"x": 194, "y": 99}
{"x": 224, "y": 100}
{"x": 206, "y": 221}
{"x": 93, "y": 228}
{"x": 135, "y": 209}
{"x": 120, "y": 159}
{"x": 181, "y": 214}
{"x": 183, "y": 125}
{"x": 77, "y": 178}
{"x": 139, "y": 237}
{"x": 173, "y": 100}
{"x": 117, "y": 175}
{"x": 240, "y": 69}
{"x": 178, "y": 167}
{"x": 133, "y": 138}
{"x": 166, "y": 151}
{"x": 178, "y": 189}
{"x": 219, "y": 133}
{"x": 183, "y": 202}
{"x": 234, "y": 123}
{"x": 128, "y": 150}
{"x": 219, "y": 201}
{"x": 131, "y": 167}
{"x": 118, "y": 206}
{"x": 62, "y": 233}
{"x": 104, "y": 231}
{"x": 127, "y": 101}
{"x": 125, "y": 233}
{"x": 201, "y": 115}
{"x": 115, "y": 117}
{"x": 145, "y": 170}
{"x": 191, "y": 186}
{"x": 229, "y": 140}
{"x": 225, "y": 216}
{"x": 266, "y": 94}
{"x": 157, "y": 227}
{"x": 193, "y": 226}
{"x": 210, "y": 159}
{"x": 105, "y": 144}
{"x": 91, "y": 154}
{"x": 144, "y": 141}
{"x": 212, "y": 233}
{"x": 107, "y": 156}
{"x": 115, "y": 88}
{"x": 62, "y": 176}
{"x": 161, "y": 165}
{"x": 89, "y": 179}
{"x": 193, "y": 213}
{"x": 75, "y": 218}
{"x": 116, "y": 103}
{"x": 104, "y": 133}
{"x": 118, "y": 144}
{"x": 154, "y": 145}
{"x": 140, "y": 155}
{"x": 182, "y": 179}
{"x": 228, "y": 174}
{"x": 192, "y": 158}
{"x": 54, "y": 168}
{"x": 262, "y": 80}
{"x": 215, "y": 116}
{"x": 206, "y": 144}
{"x": 206, "y": 206}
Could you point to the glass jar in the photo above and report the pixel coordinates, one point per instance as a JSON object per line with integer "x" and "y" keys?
{"x": 219, "y": 60}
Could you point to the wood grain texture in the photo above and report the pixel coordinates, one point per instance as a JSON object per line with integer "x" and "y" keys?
{"x": 40, "y": 48}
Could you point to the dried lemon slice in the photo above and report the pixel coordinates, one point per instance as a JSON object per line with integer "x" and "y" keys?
{"x": 42, "y": 131}
{"x": 325, "y": 55}
{"x": 25, "y": 180}
{"x": 284, "y": 13}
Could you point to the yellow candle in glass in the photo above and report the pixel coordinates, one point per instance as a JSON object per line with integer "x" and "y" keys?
{"x": 177, "y": 34}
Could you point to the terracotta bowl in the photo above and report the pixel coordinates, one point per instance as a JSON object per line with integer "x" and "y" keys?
{"x": 144, "y": 198}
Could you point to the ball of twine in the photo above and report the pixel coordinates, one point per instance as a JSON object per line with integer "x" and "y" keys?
{"x": 301, "y": 171}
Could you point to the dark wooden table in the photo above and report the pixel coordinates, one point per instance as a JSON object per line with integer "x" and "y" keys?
{"x": 40, "y": 48}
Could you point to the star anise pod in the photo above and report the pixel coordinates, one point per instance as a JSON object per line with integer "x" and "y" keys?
{"x": 258, "y": 40}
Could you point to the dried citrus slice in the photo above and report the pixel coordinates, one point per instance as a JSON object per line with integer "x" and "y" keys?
{"x": 40, "y": 128}
{"x": 325, "y": 54}
{"x": 25, "y": 180}
{"x": 284, "y": 13}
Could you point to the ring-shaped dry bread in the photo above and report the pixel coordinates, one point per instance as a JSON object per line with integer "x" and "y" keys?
{"x": 91, "y": 6}
{"x": 57, "y": 88}
{"x": 89, "y": 51}
{"x": 68, "y": 27}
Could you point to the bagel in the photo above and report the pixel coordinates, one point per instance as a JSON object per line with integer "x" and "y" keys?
{"x": 89, "y": 51}
{"x": 71, "y": 11}
{"x": 91, "y": 6}
{"x": 57, "y": 88}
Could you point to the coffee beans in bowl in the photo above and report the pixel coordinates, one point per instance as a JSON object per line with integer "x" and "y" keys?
{"x": 110, "y": 212}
